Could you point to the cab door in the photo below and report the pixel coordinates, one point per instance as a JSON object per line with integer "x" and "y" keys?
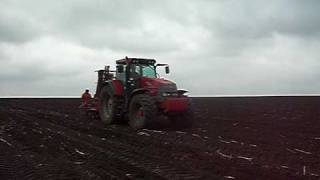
{"x": 133, "y": 77}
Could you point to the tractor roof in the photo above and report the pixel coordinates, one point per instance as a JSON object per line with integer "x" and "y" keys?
{"x": 136, "y": 61}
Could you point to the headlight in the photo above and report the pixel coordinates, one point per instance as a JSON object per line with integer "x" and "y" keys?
{"x": 165, "y": 94}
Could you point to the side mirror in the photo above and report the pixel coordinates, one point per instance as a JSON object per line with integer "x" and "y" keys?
{"x": 120, "y": 69}
{"x": 167, "y": 69}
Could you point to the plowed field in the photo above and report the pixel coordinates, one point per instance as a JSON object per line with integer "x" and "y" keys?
{"x": 232, "y": 138}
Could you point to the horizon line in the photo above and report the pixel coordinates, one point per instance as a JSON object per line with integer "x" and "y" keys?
{"x": 239, "y": 95}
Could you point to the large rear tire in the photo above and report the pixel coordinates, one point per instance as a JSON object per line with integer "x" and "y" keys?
{"x": 142, "y": 111}
{"x": 110, "y": 107}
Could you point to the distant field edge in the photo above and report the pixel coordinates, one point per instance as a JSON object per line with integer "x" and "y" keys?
{"x": 40, "y": 97}
{"x": 260, "y": 95}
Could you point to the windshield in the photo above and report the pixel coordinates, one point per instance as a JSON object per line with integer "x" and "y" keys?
{"x": 148, "y": 71}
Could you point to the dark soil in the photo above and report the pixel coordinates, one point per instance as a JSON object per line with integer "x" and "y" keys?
{"x": 232, "y": 138}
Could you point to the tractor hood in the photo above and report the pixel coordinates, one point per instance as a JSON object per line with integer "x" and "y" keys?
{"x": 159, "y": 84}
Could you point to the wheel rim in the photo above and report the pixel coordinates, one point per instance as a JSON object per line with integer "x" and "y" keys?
{"x": 107, "y": 108}
{"x": 139, "y": 115}
{"x": 109, "y": 105}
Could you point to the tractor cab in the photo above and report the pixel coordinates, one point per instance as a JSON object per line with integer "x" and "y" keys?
{"x": 135, "y": 72}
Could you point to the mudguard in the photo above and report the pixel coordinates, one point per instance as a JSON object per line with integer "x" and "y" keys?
{"x": 115, "y": 86}
{"x": 138, "y": 91}
{"x": 118, "y": 87}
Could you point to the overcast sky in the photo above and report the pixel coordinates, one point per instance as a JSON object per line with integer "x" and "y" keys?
{"x": 227, "y": 47}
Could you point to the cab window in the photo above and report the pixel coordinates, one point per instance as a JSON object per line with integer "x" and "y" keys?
{"x": 121, "y": 76}
{"x": 148, "y": 71}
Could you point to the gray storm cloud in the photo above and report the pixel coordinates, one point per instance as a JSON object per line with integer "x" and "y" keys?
{"x": 214, "y": 47}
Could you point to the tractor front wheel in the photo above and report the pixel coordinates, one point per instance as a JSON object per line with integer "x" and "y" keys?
{"x": 142, "y": 111}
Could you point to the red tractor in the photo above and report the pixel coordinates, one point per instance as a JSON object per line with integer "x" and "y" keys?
{"x": 136, "y": 92}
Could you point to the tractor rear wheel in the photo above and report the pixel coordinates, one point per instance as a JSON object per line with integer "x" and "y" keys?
{"x": 142, "y": 111}
{"x": 110, "y": 107}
